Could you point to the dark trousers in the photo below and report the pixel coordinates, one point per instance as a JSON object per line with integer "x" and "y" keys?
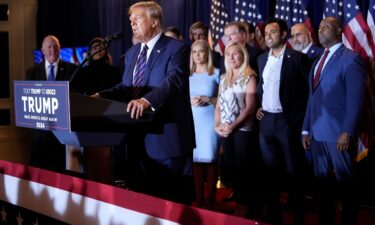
{"x": 334, "y": 181}
{"x": 240, "y": 163}
{"x": 169, "y": 178}
{"x": 284, "y": 164}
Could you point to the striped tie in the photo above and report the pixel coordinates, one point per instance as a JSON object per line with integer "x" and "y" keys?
{"x": 139, "y": 72}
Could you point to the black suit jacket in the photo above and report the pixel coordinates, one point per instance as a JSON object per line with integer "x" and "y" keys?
{"x": 254, "y": 53}
{"x": 38, "y": 72}
{"x": 293, "y": 85}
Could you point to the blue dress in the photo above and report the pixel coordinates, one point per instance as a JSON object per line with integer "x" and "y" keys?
{"x": 207, "y": 140}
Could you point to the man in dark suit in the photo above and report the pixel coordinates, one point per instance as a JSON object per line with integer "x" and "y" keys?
{"x": 330, "y": 126}
{"x": 164, "y": 167}
{"x": 301, "y": 40}
{"x": 236, "y": 32}
{"x": 48, "y": 153}
{"x": 283, "y": 91}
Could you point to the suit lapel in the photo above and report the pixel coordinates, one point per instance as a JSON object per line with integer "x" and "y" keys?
{"x": 262, "y": 63}
{"x": 42, "y": 72}
{"x": 156, "y": 52}
{"x": 284, "y": 66}
{"x": 129, "y": 78}
{"x": 60, "y": 71}
{"x": 330, "y": 63}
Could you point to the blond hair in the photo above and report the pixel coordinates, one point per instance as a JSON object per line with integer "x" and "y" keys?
{"x": 153, "y": 10}
{"x": 210, "y": 66}
{"x": 245, "y": 70}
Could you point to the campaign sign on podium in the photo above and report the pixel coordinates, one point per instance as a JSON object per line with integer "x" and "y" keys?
{"x": 75, "y": 119}
{"x": 42, "y": 105}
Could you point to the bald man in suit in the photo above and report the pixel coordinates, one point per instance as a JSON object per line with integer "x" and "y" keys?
{"x": 337, "y": 85}
{"x": 48, "y": 152}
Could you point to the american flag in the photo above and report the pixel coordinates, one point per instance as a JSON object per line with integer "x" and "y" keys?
{"x": 354, "y": 25}
{"x": 370, "y": 83}
{"x": 371, "y": 22}
{"x": 293, "y": 11}
{"x": 357, "y": 37}
{"x": 219, "y": 18}
{"x": 13, "y": 214}
{"x": 246, "y": 10}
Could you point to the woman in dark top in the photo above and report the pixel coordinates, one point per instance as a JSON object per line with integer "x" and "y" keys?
{"x": 99, "y": 74}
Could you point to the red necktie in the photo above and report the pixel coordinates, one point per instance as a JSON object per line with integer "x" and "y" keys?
{"x": 320, "y": 68}
{"x": 139, "y": 72}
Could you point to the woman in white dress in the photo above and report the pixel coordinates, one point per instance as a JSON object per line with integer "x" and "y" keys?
{"x": 236, "y": 125}
{"x": 204, "y": 82}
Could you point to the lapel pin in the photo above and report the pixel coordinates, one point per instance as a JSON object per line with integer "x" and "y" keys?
{"x": 158, "y": 51}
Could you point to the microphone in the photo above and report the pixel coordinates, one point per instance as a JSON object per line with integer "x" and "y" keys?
{"x": 112, "y": 37}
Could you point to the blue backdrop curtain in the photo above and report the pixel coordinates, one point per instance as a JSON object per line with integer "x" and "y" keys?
{"x": 73, "y": 22}
{"x": 76, "y": 22}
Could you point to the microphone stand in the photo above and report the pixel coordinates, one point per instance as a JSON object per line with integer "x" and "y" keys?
{"x": 87, "y": 59}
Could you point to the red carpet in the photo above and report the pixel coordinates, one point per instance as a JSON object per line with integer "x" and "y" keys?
{"x": 366, "y": 215}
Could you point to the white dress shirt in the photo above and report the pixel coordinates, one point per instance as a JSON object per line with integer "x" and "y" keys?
{"x": 271, "y": 83}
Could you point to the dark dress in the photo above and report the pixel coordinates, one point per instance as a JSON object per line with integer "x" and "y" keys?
{"x": 95, "y": 77}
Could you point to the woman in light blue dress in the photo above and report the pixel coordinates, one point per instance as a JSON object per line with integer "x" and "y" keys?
{"x": 204, "y": 81}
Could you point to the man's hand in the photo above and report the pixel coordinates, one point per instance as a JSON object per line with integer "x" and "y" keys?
{"x": 306, "y": 141}
{"x": 343, "y": 142}
{"x": 137, "y": 107}
{"x": 260, "y": 114}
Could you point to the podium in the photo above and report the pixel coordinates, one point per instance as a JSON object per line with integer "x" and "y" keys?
{"x": 98, "y": 122}
{"x": 76, "y": 120}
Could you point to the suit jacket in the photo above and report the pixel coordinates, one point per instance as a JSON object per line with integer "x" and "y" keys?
{"x": 314, "y": 52}
{"x": 167, "y": 90}
{"x": 293, "y": 85}
{"x": 38, "y": 72}
{"x": 335, "y": 104}
{"x": 254, "y": 52}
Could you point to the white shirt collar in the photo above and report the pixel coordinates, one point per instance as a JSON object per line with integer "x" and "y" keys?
{"x": 151, "y": 43}
{"x": 46, "y": 64}
{"x": 281, "y": 54}
{"x": 333, "y": 48}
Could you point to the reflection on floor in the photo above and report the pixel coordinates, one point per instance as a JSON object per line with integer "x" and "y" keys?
{"x": 366, "y": 214}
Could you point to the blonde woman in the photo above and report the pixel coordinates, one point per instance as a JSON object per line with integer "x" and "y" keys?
{"x": 204, "y": 82}
{"x": 235, "y": 124}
